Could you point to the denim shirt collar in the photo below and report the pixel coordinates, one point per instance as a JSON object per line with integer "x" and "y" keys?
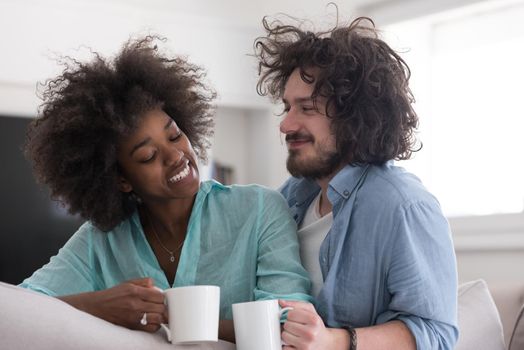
{"x": 305, "y": 190}
{"x": 302, "y": 191}
{"x": 344, "y": 183}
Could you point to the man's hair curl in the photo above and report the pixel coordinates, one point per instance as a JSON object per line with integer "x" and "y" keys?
{"x": 72, "y": 143}
{"x": 363, "y": 80}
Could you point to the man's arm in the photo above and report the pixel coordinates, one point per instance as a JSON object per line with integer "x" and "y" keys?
{"x": 305, "y": 330}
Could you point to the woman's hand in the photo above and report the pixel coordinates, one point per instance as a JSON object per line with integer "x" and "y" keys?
{"x": 125, "y": 304}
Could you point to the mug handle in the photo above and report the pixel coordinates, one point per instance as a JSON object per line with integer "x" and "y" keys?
{"x": 284, "y": 309}
{"x": 164, "y": 326}
{"x": 280, "y": 313}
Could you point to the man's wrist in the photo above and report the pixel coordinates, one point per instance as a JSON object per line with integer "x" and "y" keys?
{"x": 352, "y": 337}
{"x": 339, "y": 339}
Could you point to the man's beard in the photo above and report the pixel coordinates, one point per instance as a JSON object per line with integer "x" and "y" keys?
{"x": 324, "y": 164}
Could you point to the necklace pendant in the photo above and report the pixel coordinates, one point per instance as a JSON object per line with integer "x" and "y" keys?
{"x": 172, "y": 258}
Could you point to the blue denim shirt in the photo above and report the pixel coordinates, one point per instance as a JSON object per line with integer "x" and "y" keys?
{"x": 388, "y": 255}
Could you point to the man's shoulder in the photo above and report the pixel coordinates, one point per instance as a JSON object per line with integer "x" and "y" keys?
{"x": 393, "y": 186}
{"x": 288, "y": 186}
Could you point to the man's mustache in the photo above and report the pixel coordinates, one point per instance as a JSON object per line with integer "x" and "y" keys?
{"x": 299, "y": 136}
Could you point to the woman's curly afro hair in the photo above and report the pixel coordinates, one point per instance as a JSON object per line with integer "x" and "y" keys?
{"x": 73, "y": 141}
{"x": 364, "y": 82}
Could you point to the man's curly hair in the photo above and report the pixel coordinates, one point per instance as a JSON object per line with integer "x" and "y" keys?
{"x": 72, "y": 143}
{"x": 364, "y": 82}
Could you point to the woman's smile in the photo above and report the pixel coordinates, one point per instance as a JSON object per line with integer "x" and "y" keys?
{"x": 181, "y": 174}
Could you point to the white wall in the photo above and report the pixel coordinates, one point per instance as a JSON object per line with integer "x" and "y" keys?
{"x": 249, "y": 141}
{"x": 490, "y": 247}
{"x": 388, "y": 12}
{"x": 35, "y": 33}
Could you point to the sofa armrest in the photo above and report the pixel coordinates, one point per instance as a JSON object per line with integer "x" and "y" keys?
{"x": 35, "y": 321}
{"x": 509, "y": 299}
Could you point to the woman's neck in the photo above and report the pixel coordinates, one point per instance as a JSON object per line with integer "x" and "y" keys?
{"x": 169, "y": 219}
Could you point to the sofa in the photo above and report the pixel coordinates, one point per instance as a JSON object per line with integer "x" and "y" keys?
{"x": 509, "y": 300}
{"x": 490, "y": 320}
{"x": 34, "y": 321}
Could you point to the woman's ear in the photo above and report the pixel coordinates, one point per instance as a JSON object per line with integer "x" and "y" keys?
{"x": 124, "y": 185}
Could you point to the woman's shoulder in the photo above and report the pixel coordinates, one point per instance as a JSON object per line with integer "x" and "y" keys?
{"x": 250, "y": 192}
{"x": 88, "y": 230}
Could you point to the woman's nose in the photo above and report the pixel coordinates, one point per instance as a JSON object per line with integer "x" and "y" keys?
{"x": 172, "y": 155}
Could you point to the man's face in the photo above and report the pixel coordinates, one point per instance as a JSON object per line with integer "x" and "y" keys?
{"x": 310, "y": 142}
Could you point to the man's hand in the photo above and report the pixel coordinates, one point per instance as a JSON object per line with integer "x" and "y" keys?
{"x": 305, "y": 330}
{"x": 125, "y": 304}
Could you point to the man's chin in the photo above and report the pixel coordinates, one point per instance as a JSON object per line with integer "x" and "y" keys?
{"x": 307, "y": 172}
{"x": 310, "y": 170}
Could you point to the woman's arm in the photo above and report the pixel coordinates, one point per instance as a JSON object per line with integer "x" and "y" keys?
{"x": 280, "y": 274}
{"x": 124, "y": 304}
{"x": 73, "y": 276}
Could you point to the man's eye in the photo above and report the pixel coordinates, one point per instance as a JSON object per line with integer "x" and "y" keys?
{"x": 285, "y": 110}
{"x": 308, "y": 108}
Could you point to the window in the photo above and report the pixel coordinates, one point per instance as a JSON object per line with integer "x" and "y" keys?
{"x": 468, "y": 76}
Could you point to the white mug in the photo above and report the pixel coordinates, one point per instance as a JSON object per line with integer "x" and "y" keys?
{"x": 257, "y": 325}
{"x": 193, "y": 314}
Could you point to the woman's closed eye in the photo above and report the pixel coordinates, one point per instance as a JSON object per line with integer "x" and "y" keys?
{"x": 149, "y": 158}
{"x": 176, "y": 137}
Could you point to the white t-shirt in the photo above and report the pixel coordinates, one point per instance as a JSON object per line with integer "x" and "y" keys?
{"x": 311, "y": 234}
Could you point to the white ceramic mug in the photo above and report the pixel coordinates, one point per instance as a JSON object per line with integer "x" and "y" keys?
{"x": 257, "y": 325}
{"x": 193, "y": 314}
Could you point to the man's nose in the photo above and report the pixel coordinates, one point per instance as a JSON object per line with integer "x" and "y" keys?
{"x": 290, "y": 123}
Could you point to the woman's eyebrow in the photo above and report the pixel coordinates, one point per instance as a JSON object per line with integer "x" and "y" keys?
{"x": 168, "y": 124}
{"x": 145, "y": 141}
{"x": 138, "y": 145}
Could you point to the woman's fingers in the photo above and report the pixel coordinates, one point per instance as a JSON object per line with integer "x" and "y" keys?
{"x": 143, "y": 282}
{"x": 150, "y": 294}
{"x": 149, "y": 322}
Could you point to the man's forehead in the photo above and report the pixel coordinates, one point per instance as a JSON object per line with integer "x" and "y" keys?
{"x": 298, "y": 87}
{"x": 297, "y": 99}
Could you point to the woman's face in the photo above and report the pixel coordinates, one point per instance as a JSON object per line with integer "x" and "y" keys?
{"x": 157, "y": 160}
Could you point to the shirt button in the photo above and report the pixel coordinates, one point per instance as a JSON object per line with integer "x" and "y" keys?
{"x": 346, "y": 193}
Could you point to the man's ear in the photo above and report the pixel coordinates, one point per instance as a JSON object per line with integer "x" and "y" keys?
{"x": 124, "y": 185}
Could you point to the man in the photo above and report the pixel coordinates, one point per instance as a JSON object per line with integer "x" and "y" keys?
{"x": 373, "y": 239}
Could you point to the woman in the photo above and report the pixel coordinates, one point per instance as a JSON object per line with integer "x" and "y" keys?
{"x": 118, "y": 142}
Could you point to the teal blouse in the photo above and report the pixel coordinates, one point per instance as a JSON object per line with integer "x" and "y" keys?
{"x": 240, "y": 238}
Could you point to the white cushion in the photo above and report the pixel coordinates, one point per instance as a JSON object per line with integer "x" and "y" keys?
{"x": 479, "y": 321}
{"x": 29, "y": 320}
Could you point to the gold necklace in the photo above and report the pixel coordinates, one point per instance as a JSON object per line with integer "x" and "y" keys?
{"x": 171, "y": 253}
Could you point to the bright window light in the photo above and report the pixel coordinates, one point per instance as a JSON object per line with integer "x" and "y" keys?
{"x": 468, "y": 77}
